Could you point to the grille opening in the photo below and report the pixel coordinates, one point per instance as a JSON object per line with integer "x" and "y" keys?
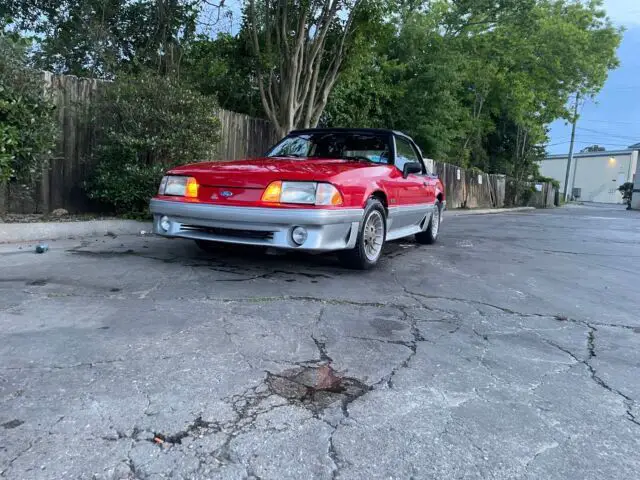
{"x": 229, "y": 232}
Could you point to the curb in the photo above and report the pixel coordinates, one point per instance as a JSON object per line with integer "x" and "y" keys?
{"x": 30, "y": 232}
{"x": 486, "y": 211}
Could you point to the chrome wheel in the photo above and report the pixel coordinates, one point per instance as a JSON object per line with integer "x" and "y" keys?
{"x": 373, "y": 235}
{"x": 435, "y": 222}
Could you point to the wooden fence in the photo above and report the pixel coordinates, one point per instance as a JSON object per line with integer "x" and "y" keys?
{"x": 61, "y": 183}
{"x": 471, "y": 189}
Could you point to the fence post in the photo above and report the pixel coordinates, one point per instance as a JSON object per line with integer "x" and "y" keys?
{"x": 4, "y": 198}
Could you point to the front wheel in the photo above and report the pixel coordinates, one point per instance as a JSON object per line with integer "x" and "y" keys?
{"x": 430, "y": 235}
{"x": 371, "y": 236}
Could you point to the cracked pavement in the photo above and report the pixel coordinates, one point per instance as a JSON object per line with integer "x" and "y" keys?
{"x": 510, "y": 350}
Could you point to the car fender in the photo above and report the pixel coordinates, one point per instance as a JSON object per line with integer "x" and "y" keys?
{"x": 373, "y": 190}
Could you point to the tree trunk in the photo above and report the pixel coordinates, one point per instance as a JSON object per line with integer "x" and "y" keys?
{"x": 295, "y": 90}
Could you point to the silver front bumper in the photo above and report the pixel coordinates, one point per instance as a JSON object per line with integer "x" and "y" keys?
{"x": 326, "y": 229}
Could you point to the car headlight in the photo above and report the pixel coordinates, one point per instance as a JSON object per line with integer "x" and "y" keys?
{"x": 179, "y": 186}
{"x": 311, "y": 193}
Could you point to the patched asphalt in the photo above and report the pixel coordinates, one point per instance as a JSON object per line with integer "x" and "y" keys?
{"x": 509, "y": 350}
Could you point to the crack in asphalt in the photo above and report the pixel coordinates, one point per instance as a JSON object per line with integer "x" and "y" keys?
{"x": 246, "y": 405}
{"x": 541, "y": 451}
{"x": 198, "y": 426}
{"x": 14, "y": 459}
{"x": 627, "y": 401}
{"x": 321, "y": 344}
{"x": 412, "y": 346}
{"x": 29, "y": 447}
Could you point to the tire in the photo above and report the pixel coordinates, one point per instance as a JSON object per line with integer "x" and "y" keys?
{"x": 430, "y": 235}
{"x": 206, "y": 246}
{"x": 370, "y": 241}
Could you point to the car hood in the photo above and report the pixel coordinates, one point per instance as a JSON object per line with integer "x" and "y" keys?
{"x": 258, "y": 173}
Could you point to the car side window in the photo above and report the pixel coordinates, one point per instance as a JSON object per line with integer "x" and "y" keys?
{"x": 405, "y": 153}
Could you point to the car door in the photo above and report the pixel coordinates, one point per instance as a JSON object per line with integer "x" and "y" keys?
{"x": 416, "y": 193}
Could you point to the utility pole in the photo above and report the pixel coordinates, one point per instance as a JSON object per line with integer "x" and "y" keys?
{"x": 567, "y": 192}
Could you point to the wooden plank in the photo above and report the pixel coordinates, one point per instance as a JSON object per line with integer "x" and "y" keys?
{"x": 55, "y": 174}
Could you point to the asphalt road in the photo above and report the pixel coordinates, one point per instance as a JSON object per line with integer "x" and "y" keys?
{"x": 510, "y": 350}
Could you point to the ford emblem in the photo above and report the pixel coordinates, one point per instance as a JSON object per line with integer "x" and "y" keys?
{"x": 226, "y": 193}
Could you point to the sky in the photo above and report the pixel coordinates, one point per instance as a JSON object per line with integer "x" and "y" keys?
{"x": 612, "y": 119}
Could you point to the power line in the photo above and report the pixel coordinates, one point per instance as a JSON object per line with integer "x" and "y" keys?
{"x": 589, "y": 143}
{"x": 610, "y": 122}
{"x": 607, "y": 134}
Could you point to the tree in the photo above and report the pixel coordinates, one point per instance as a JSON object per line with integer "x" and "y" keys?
{"x": 98, "y": 38}
{"x": 593, "y": 148}
{"x": 28, "y": 122}
{"x": 223, "y": 67}
{"x": 300, "y": 47}
{"x": 476, "y": 82}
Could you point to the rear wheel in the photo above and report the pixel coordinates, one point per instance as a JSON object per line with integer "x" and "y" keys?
{"x": 371, "y": 236}
{"x": 430, "y": 235}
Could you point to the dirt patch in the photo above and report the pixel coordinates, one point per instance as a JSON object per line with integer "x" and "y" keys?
{"x": 311, "y": 388}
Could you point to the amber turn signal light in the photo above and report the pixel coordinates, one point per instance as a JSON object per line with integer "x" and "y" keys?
{"x": 272, "y": 192}
{"x": 191, "y": 189}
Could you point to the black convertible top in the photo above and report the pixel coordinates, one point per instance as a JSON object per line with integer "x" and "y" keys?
{"x": 385, "y": 131}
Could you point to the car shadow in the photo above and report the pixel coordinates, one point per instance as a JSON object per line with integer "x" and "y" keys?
{"x": 245, "y": 260}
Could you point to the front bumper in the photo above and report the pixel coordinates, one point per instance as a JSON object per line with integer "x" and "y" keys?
{"x": 326, "y": 229}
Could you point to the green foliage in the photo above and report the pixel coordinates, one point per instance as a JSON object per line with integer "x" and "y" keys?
{"x": 552, "y": 181}
{"x": 476, "y": 82}
{"x": 627, "y": 191}
{"x": 28, "y": 123}
{"x": 99, "y": 38}
{"x": 593, "y": 148}
{"x": 518, "y": 193}
{"x": 147, "y": 124}
{"x": 224, "y": 68}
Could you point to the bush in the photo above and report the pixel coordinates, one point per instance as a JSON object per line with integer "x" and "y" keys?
{"x": 627, "y": 191}
{"x": 552, "y": 181}
{"x": 147, "y": 124}
{"x": 28, "y": 123}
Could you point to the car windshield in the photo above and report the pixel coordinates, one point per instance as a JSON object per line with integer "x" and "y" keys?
{"x": 358, "y": 146}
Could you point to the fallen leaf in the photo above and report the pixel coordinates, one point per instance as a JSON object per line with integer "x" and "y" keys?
{"x": 328, "y": 380}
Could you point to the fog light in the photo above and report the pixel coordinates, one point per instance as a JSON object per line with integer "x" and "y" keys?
{"x": 165, "y": 223}
{"x": 299, "y": 235}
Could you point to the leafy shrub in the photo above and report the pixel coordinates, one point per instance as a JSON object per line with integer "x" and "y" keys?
{"x": 518, "y": 193}
{"x": 627, "y": 191}
{"x": 552, "y": 181}
{"x": 28, "y": 123}
{"x": 147, "y": 124}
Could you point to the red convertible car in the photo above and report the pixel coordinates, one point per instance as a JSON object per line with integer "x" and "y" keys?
{"x": 347, "y": 190}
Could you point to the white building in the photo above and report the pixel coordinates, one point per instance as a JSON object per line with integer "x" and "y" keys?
{"x": 597, "y": 174}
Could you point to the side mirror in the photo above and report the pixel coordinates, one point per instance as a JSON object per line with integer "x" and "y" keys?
{"x": 411, "y": 167}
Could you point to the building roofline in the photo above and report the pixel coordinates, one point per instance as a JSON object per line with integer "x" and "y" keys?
{"x": 604, "y": 153}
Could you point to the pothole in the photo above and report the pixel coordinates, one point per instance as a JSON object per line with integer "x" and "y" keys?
{"x": 315, "y": 388}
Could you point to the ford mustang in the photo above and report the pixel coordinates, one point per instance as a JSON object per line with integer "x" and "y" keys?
{"x": 318, "y": 190}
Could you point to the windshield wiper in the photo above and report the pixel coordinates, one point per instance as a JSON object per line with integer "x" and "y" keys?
{"x": 291, "y": 155}
{"x": 357, "y": 158}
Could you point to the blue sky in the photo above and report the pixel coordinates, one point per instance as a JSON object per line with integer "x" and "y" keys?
{"x": 612, "y": 119}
